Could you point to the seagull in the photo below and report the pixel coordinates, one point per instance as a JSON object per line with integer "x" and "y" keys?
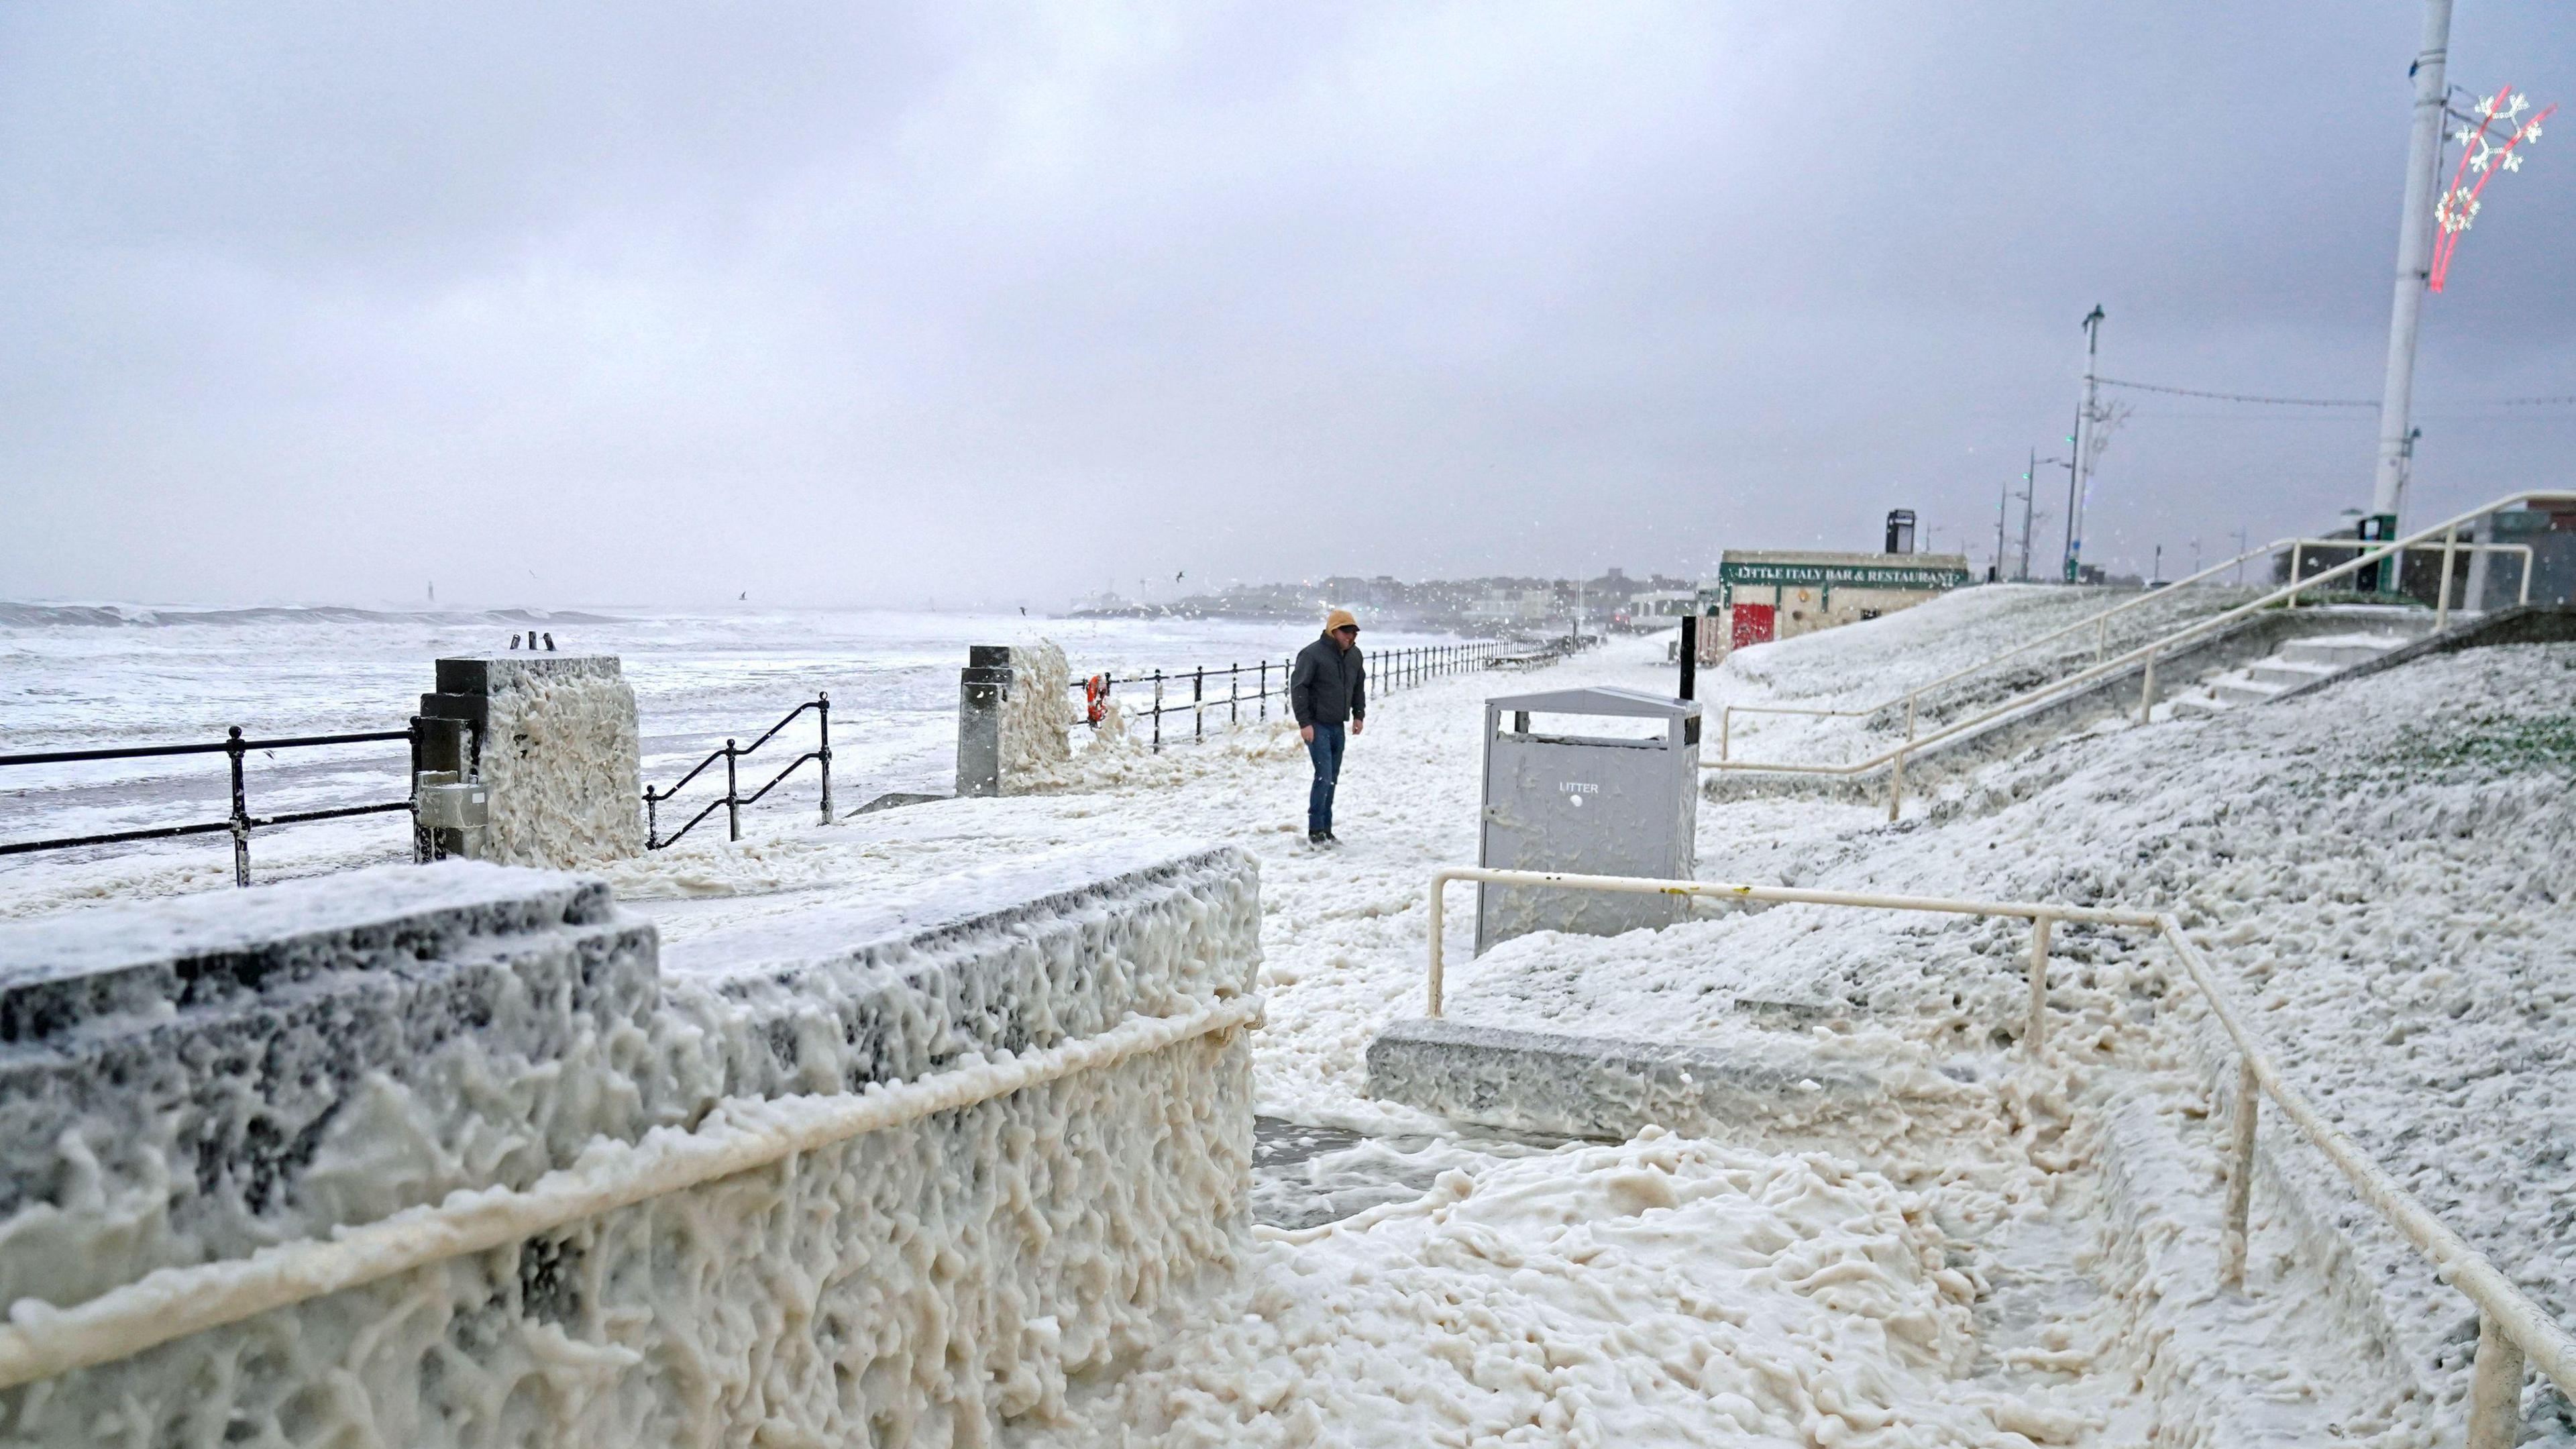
{"x": 745, "y": 594}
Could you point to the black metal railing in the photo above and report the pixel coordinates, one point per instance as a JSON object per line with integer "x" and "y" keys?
{"x": 241, "y": 822}
{"x": 1213, "y": 690}
{"x": 733, "y": 799}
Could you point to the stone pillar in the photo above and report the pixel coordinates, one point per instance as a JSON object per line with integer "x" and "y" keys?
{"x": 554, "y": 737}
{"x": 1014, "y": 705}
{"x": 981, "y": 688}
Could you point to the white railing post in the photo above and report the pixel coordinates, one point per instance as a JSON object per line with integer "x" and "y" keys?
{"x": 2442, "y": 597}
{"x": 1895, "y": 786}
{"x": 2101, "y": 637}
{"x": 2240, "y": 1172}
{"x": 2037, "y": 1031}
{"x": 1431, "y": 982}
{"x": 2147, "y": 692}
{"x": 2495, "y": 1389}
{"x": 1725, "y": 726}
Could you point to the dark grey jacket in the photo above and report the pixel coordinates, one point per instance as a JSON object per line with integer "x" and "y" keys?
{"x": 1329, "y": 684}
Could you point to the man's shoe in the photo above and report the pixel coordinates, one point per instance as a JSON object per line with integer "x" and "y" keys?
{"x": 1320, "y": 837}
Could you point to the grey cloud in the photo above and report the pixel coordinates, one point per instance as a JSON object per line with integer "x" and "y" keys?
{"x": 869, "y": 305}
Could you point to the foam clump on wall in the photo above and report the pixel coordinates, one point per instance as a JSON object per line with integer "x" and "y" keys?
{"x": 562, "y": 757}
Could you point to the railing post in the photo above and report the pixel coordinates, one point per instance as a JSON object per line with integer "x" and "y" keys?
{"x": 1909, "y": 719}
{"x": 1895, "y": 786}
{"x": 1198, "y": 703}
{"x": 1432, "y": 922}
{"x": 2037, "y": 1032}
{"x": 2296, "y": 547}
{"x": 1265, "y": 689}
{"x": 652, "y": 820}
{"x": 241, "y": 811}
{"x": 1725, "y": 727}
{"x": 823, "y": 713}
{"x": 2147, "y": 691}
{"x": 419, "y": 837}
{"x": 1234, "y": 695}
{"x": 733, "y": 799}
{"x": 1158, "y": 711}
{"x": 2442, "y": 597}
{"x": 2240, "y": 1172}
{"x": 2101, "y": 637}
{"x": 2495, "y": 1388}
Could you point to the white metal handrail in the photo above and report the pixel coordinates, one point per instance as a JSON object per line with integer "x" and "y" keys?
{"x": 2100, "y": 624}
{"x": 2449, "y": 547}
{"x": 1894, "y": 757}
{"x": 2512, "y": 1328}
{"x": 40, "y": 1341}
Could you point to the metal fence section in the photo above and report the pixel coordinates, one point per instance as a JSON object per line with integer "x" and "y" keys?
{"x": 733, "y": 799}
{"x": 2513, "y": 1329}
{"x": 240, "y": 823}
{"x": 1238, "y": 688}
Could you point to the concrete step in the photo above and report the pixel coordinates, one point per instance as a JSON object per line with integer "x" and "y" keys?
{"x": 2337, "y": 652}
{"x": 1774, "y": 1088}
{"x": 2287, "y": 673}
{"x": 2200, "y": 705}
{"x": 2239, "y": 688}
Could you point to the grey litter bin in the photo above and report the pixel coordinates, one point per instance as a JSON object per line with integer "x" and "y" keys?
{"x": 1589, "y": 804}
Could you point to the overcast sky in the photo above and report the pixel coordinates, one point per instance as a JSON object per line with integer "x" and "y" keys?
{"x": 843, "y": 304}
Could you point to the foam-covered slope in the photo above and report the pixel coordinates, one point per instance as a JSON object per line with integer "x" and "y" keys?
{"x": 1863, "y": 664}
{"x": 2380, "y": 870}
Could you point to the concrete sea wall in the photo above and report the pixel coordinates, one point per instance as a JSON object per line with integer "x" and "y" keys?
{"x": 184, "y": 1083}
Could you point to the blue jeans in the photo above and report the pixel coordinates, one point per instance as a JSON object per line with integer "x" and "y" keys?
{"x": 1326, "y": 751}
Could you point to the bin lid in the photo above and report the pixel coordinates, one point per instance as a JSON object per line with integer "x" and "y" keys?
{"x": 1598, "y": 699}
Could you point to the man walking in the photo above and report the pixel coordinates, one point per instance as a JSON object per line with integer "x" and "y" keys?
{"x": 1327, "y": 687}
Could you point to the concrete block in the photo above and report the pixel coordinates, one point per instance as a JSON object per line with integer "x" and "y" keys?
{"x": 187, "y": 1064}
{"x": 187, "y": 1082}
{"x": 1013, "y": 712}
{"x": 1776, "y": 1087}
{"x": 559, "y": 748}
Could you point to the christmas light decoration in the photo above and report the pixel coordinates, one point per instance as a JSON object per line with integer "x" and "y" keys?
{"x": 2485, "y": 157}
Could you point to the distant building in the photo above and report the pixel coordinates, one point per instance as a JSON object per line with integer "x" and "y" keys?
{"x": 1662, "y": 604}
{"x": 1513, "y": 608}
{"x": 1762, "y": 595}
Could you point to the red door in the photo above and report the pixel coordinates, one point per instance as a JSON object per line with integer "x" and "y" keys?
{"x": 1750, "y": 625}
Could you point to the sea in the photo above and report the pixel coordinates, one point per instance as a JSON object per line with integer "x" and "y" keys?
{"x": 80, "y": 676}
